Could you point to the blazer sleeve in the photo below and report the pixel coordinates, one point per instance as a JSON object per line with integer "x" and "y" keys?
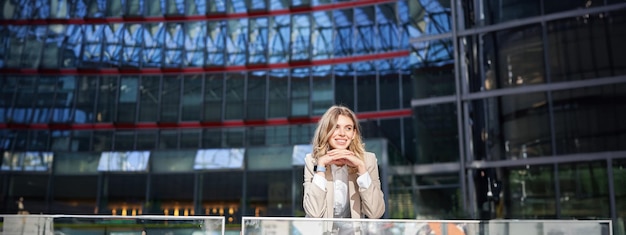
{"x": 314, "y": 198}
{"x": 372, "y": 198}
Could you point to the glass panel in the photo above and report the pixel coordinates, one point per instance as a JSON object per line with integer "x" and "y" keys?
{"x": 86, "y": 98}
{"x": 27, "y": 161}
{"x": 529, "y": 192}
{"x": 322, "y": 89}
{"x": 216, "y": 43}
{"x": 146, "y": 139}
{"x": 113, "y": 39}
{"x": 195, "y": 43}
{"x": 269, "y": 194}
{"x": 366, "y": 87}
{"x": 276, "y": 135}
{"x": 433, "y": 68}
{"x": 127, "y": 106}
{"x": 435, "y": 130}
{"x": 171, "y": 98}
{"x": 256, "y": 97}
{"x": 211, "y": 138}
{"x": 216, "y": 6}
{"x": 93, "y": 35}
{"x": 76, "y": 163}
{"x": 584, "y": 190}
{"x": 588, "y": 50}
{"x": 63, "y": 101}
{"x": 132, "y": 45}
{"x": 192, "y": 98}
{"x": 439, "y": 196}
{"x": 255, "y": 136}
{"x": 32, "y": 188}
{"x": 226, "y": 203}
{"x": 300, "y": 92}
{"x": 213, "y": 97}
{"x": 511, "y": 127}
{"x": 81, "y": 141}
{"x": 344, "y": 35}
{"x": 237, "y": 42}
{"x": 150, "y": 98}
{"x": 74, "y": 195}
{"x": 215, "y": 159}
{"x": 123, "y": 194}
{"x": 52, "y": 49}
{"x": 233, "y": 137}
{"x": 235, "y": 88}
{"x": 174, "y": 45}
{"x": 619, "y": 179}
{"x": 107, "y": 98}
{"x": 344, "y": 85}
{"x": 278, "y": 93}
{"x": 33, "y": 45}
{"x": 153, "y": 44}
{"x": 279, "y": 39}
{"x": 387, "y": 27}
{"x": 366, "y": 39}
{"x": 425, "y": 17}
{"x": 132, "y": 161}
{"x": 300, "y": 134}
{"x": 590, "y": 119}
{"x": 389, "y": 90}
{"x": 515, "y": 57}
{"x": 124, "y": 140}
{"x": 171, "y": 161}
{"x": 258, "y": 45}
{"x": 38, "y": 140}
{"x": 189, "y": 139}
{"x": 492, "y": 12}
{"x": 172, "y": 194}
{"x": 300, "y": 37}
{"x": 102, "y": 140}
{"x": 168, "y": 139}
{"x": 60, "y": 141}
{"x": 322, "y": 35}
{"x": 269, "y": 158}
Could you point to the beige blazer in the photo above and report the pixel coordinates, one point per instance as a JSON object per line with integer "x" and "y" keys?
{"x": 364, "y": 203}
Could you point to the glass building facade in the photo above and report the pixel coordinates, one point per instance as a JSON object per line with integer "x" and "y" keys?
{"x": 476, "y": 109}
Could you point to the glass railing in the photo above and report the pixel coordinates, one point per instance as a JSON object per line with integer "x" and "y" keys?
{"x": 310, "y": 226}
{"x": 215, "y": 225}
{"x": 110, "y": 225}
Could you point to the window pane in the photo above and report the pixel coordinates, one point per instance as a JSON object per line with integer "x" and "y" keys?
{"x": 75, "y": 195}
{"x": 170, "y": 94}
{"x": 366, "y": 92}
{"x": 590, "y": 119}
{"x": 322, "y": 97}
{"x": 33, "y": 188}
{"x": 278, "y": 93}
{"x": 150, "y": 96}
{"x": 433, "y": 73}
{"x": 213, "y": 97}
{"x": 529, "y": 192}
{"x": 584, "y": 190}
{"x": 107, "y": 99}
{"x": 435, "y": 129}
{"x": 256, "y": 96}
{"x": 300, "y": 92}
{"x": 124, "y": 194}
{"x": 172, "y": 194}
{"x": 235, "y": 88}
{"x": 192, "y": 98}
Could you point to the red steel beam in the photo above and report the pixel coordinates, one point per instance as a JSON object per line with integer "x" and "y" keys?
{"x": 188, "y": 125}
{"x": 210, "y": 17}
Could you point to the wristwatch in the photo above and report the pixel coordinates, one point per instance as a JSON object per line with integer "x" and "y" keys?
{"x": 319, "y": 169}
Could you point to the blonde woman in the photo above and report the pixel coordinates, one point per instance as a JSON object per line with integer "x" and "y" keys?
{"x": 341, "y": 179}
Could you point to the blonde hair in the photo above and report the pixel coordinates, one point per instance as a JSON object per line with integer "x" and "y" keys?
{"x": 325, "y": 128}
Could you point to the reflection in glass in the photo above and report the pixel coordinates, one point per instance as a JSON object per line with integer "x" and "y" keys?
{"x": 584, "y": 190}
{"x": 436, "y": 133}
{"x": 124, "y": 161}
{"x": 425, "y": 17}
{"x": 433, "y": 68}
{"x": 590, "y": 119}
{"x": 586, "y": 48}
{"x": 619, "y": 179}
{"x": 27, "y": 161}
{"x": 529, "y": 193}
{"x": 211, "y": 159}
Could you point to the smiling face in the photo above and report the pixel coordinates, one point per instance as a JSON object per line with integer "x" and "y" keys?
{"x": 343, "y": 133}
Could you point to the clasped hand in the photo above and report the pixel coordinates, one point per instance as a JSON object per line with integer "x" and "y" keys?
{"x": 342, "y": 157}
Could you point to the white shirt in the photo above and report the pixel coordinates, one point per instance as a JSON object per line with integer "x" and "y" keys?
{"x": 340, "y": 178}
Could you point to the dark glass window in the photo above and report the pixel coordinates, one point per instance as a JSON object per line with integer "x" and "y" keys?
{"x": 33, "y": 189}
{"x": 584, "y": 190}
{"x": 278, "y": 93}
{"x": 587, "y": 47}
{"x": 256, "y": 96}
{"x": 344, "y": 86}
{"x": 171, "y": 98}
{"x": 192, "y": 98}
{"x": 213, "y": 97}
{"x": 172, "y": 194}
{"x": 300, "y": 92}
{"x": 619, "y": 178}
{"x": 433, "y": 68}
{"x": 235, "y": 89}
{"x": 590, "y": 119}
{"x": 150, "y": 98}
{"x": 528, "y": 192}
{"x": 367, "y": 85}
{"x": 74, "y": 194}
{"x": 123, "y": 194}
{"x": 435, "y": 130}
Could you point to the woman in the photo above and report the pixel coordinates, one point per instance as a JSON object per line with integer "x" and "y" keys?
{"x": 341, "y": 179}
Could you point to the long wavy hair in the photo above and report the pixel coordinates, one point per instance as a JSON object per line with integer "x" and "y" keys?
{"x": 326, "y": 127}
